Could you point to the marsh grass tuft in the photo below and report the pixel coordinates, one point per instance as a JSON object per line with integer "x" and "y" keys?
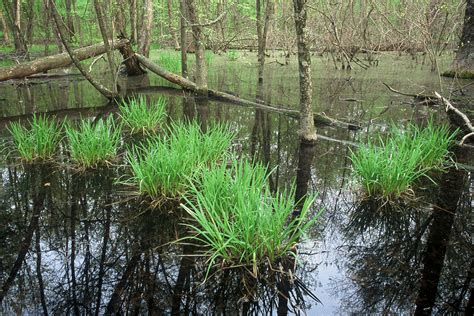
{"x": 92, "y": 144}
{"x": 388, "y": 168}
{"x": 170, "y": 60}
{"x": 38, "y": 142}
{"x": 161, "y": 167}
{"x": 141, "y": 118}
{"x": 239, "y": 221}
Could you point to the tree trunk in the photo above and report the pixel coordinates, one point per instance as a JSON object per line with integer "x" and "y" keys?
{"x": 307, "y": 130}
{"x": 201, "y": 71}
{"x": 119, "y": 21}
{"x": 145, "y": 32}
{"x": 464, "y": 60}
{"x": 69, "y": 19}
{"x": 5, "y": 29}
{"x": 105, "y": 37}
{"x": 170, "y": 24}
{"x": 184, "y": 42}
{"x": 262, "y": 32}
{"x": 30, "y": 16}
{"x": 13, "y": 14}
{"x": 133, "y": 21}
{"x": 55, "y": 61}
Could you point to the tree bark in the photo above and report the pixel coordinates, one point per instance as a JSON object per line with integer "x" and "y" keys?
{"x": 133, "y": 21}
{"x": 13, "y": 15}
{"x": 69, "y": 19}
{"x": 30, "y": 17}
{"x": 105, "y": 37}
{"x": 55, "y": 61}
{"x": 145, "y": 33}
{"x": 307, "y": 130}
{"x": 170, "y": 24}
{"x": 464, "y": 60}
{"x": 5, "y": 29}
{"x": 262, "y": 32}
{"x": 201, "y": 71}
{"x": 184, "y": 42}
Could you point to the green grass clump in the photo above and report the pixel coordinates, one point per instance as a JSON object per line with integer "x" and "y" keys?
{"x": 233, "y": 55}
{"x": 93, "y": 143}
{"x": 141, "y": 118}
{"x": 161, "y": 168}
{"x": 209, "y": 56}
{"x": 38, "y": 142}
{"x": 171, "y": 61}
{"x": 239, "y": 221}
{"x": 390, "y": 167}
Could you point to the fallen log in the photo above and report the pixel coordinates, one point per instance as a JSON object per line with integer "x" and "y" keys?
{"x": 319, "y": 118}
{"x": 56, "y": 61}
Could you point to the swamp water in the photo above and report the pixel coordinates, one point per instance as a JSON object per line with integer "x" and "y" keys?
{"x": 80, "y": 244}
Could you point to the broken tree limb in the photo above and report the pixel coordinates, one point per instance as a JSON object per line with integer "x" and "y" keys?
{"x": 62, "y": 36}
{"x": 420, "y": 97}
{"x": 319, "y": 118}
{"x": 55, "y": 61}
{"x": 462, "y": 120}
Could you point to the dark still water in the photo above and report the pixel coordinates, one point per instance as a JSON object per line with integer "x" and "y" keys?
{"x": 79, "y": 243}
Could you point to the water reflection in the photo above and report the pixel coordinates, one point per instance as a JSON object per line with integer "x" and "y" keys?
{"x": 92, "y": 250}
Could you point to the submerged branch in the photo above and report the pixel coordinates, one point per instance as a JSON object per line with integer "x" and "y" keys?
{"x": 465, "y": 123}
{"x": 319, "y": 118}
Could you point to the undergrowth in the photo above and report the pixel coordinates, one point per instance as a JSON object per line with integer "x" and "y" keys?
{"x": 138, "y": 117}
{"x": 388, "y": 167}
{"x": 92, "y": 143}
{"x": 39, "y": 141}
{"x": 161, "y": 167}
{"x": 239, "y": 221}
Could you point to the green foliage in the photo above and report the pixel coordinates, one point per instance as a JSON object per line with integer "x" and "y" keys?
{"x": 38, "y": 142}
{"x": 141, "y": 118}
{"x": 170, "y": 60}
{"x": 239, "y": 220}
{"x": 161, "y": 168}
{"x": 93, "y": 144}
{"x": 233, "y": 55}
{"x": 389, "y": 168}
{"x": 209, "y": 56}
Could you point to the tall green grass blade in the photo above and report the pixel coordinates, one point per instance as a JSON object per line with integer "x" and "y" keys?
{"x": 93, "y": 144}
{"x": 38, "y": 142}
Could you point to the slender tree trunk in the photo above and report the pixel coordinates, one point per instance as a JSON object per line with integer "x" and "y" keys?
{"x": 69, "y": 19}
{"x": 464, "y": 61}
{"x": 307, "y": 129}
{"x": 105, "y": 37}
{"x": 5, "y": 29}
{"x": 201, "y": 71}
{"x": 133, "y": 21}
{"x": 46, "y": 21}
{"x": 145, "y": 32}
{"x": 30, "y": 15}
{"x": 170, "y": 24}
{"x": 262, "y": 32}
{"x": 119, "y": 21}
{"x": 13, "y": 15}
{"x": 184, "y": 42}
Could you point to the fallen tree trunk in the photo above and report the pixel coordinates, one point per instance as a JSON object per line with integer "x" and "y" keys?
{"x": 56, "y": 61}
{"x": 319, "y": 118}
